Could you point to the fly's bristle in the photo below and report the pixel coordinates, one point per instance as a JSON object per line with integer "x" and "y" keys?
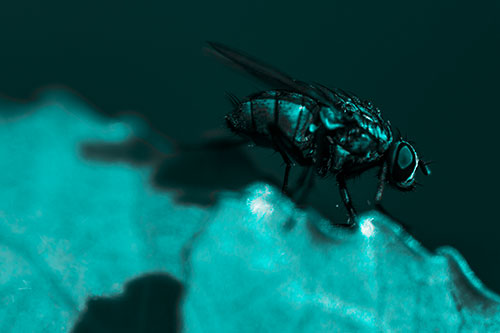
{"x": 398, "y": 132}
{"x": 235, "y": 101}
{"x": 232, "y": 123}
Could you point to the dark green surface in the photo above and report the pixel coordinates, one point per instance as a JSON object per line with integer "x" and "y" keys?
{"x": 431, "y": 67}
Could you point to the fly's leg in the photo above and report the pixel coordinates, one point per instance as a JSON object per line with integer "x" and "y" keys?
{"x": 378, "y": 197}
{"x": 303, "y": 177}
{"x": 287, "y": 145}
{"x": 306, "y": 182}
{"x": 287, "y": 150}
{"x": 281, "y": 148}
{"x": 288, "y": 162}
{"x": 346, "y": 198}
{"x": 382, "y": 178}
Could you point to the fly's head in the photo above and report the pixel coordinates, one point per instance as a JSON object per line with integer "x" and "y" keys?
{"x": 403, "y": 161}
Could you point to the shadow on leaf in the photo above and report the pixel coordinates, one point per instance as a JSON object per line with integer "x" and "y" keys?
{"x": 148, "y": 304}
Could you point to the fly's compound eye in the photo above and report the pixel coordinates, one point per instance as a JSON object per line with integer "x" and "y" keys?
{"x": 404, "y": 164}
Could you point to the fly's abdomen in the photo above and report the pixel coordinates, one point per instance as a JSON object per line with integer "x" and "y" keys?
{"x": 290, "y": 112}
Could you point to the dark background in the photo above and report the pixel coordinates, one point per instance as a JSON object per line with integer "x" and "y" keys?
{"x": 431, "y": 66}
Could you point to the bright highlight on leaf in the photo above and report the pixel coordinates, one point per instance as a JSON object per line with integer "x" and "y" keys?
{"x": 367, "y": 227}
{"x": 258, "y": 204}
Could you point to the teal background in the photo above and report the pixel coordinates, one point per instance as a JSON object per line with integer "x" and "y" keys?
{"x": 432, "y": 67}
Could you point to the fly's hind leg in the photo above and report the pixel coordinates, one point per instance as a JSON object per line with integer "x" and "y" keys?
{"x": 280, "y": 147}
{"x": 305, "y": 182}
{"x": 288, "y": 151}
{"x": 288, "y": 162}
{"x": 346, "y": 198}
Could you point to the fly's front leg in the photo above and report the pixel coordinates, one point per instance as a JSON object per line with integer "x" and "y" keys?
{"x": 346, "y": 198}
{"x": 381, "y": 178}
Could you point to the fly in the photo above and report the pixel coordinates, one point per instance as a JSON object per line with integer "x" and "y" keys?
{"x": 331, "y": 130}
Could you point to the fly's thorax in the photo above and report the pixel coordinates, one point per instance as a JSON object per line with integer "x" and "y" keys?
{"x": 354, "y": 136}
{"x": 359, "y": 131}
{"x": 332, "y": 118}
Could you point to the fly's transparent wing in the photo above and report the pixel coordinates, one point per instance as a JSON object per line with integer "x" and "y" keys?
{"x": 266, "y": 73}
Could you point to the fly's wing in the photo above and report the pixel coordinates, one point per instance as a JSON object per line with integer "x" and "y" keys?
{"x": 337, "y": 95}
{"x": 268, "y": 74}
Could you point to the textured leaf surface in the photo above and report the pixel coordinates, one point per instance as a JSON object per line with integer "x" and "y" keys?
{"x": 71, "y": 228}
{"x": 262, "y": 265}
